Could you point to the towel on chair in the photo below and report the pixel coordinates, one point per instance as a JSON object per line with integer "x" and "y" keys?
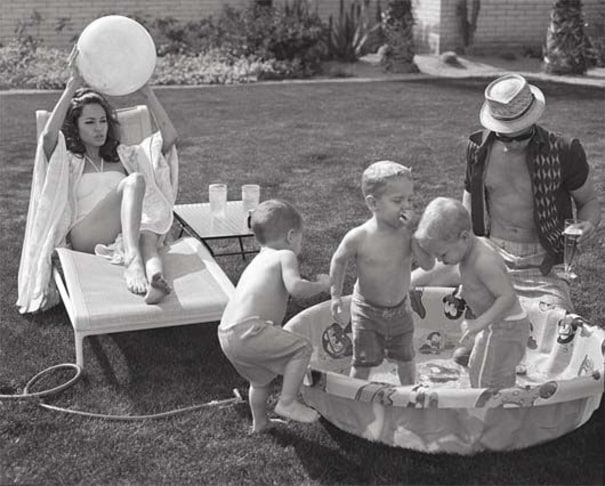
{"x": 52, "y": 206}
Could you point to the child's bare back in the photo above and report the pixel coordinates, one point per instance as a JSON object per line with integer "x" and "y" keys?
{"x": 261, "y": 290}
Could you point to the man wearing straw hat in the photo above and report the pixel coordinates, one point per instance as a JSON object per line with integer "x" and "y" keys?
{"x": 522, "y": 181}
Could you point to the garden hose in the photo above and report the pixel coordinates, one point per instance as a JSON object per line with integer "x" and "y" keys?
{"x": 26, "y": 394}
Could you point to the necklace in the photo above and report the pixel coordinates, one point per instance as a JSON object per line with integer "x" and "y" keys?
{"x": 93, "y": 164}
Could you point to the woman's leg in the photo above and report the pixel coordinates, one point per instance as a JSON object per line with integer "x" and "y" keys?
{"x": 132, "y": 189}
{"x": 158, "y": 286}
{"x": 119, "y": 211}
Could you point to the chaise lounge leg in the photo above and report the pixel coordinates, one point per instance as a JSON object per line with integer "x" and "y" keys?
{"x": 79, "y": 340}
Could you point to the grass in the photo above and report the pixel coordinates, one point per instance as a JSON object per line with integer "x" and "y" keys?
{"x": 308, "y": 143}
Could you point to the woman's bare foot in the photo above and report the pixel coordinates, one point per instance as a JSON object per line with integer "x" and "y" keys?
{"x": 266, "y": 426}
{"x": 134, "y": 273}
{"x": 158, "y": 289}
{"x": 296, "y": 411}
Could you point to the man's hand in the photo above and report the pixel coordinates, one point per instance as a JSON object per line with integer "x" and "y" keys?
{"x": 588, "y": 233}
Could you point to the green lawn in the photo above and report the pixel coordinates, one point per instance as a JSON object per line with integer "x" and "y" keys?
{"x": 307, "y": 143}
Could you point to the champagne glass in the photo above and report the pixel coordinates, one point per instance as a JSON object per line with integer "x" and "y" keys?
{"x": 571, "y": 233}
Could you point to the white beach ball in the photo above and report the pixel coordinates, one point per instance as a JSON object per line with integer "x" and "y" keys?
{"x": 116, "y": 55}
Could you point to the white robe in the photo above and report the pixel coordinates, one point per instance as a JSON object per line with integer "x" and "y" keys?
{"x": 52, "y": 208}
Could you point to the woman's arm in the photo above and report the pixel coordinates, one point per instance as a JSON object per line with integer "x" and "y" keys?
{"x": 50, "y": 133}
{"x": 169, "y": 134}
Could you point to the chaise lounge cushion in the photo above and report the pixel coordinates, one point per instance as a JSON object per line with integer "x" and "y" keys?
{"x": 100, "y": 302}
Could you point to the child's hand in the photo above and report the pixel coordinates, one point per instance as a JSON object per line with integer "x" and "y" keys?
{"x": 337, "y": 312}
{"x": 468, "y": 329}
{"x": 324, "y": 280}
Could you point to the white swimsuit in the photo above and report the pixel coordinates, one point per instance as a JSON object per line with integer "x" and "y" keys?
{"x": 92, "y": 189}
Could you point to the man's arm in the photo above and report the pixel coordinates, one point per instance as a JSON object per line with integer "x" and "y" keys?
{"x": 589, "y": 210}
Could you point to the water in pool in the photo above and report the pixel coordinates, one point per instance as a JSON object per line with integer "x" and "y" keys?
{"x": 441, "y": 372}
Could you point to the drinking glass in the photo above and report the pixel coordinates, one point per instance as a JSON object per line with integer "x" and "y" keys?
{"x": 571, "y": 233}
{"x": 217, "y": 194}
{"x": 250, "y": 196}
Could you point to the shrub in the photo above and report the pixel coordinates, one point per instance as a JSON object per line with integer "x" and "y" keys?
{"x": 218, "y": 67}
{"x": 25, "y": 65}
{"x": 350, "y": 32}
{"x": 240, "y": 46}
{"x": 291, "y": 34}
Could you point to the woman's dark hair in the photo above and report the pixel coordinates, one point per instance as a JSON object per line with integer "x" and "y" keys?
{"x": 81, "y": 98}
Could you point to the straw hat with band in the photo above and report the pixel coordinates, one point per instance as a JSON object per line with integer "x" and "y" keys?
{"x": 511, "y": 105}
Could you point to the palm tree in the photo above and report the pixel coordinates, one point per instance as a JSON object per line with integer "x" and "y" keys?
{"x": 397, "y": 54}
{"x": 566, "y": 42}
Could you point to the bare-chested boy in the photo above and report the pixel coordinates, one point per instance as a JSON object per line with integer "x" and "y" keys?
{"x": 501, "y": 327}
{"x": 250, "y": 331}
{"x": 382, "y": 249}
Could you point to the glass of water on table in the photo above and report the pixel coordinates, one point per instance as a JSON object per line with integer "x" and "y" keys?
{"x": 571, "y": 233}
{"x": 217, "y": 195}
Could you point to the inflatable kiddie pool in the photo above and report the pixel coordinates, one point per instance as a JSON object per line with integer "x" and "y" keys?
{"x": 558, "y": 387}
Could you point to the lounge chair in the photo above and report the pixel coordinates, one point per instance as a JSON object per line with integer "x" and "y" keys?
{"x": 93, "y": 290}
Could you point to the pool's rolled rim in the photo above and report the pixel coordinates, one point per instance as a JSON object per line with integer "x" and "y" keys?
{"x": 426, "y": 396}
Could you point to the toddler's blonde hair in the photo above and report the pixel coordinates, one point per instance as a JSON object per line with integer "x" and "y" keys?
{"x": 376, "y": 176}
{"x": 272, "y": 220}
{"x": 444, "y": 219}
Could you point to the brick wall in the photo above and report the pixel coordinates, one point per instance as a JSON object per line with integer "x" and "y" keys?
{"x": 522, "y": 23}
{"x": 502, "y": 24}
{"x": 81, "y": 12}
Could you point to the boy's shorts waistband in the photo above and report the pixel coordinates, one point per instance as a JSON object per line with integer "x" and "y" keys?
{"x": 360, "y": 299}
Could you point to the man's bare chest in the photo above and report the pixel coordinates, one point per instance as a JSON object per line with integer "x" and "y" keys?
{"x": 507, "y": 175}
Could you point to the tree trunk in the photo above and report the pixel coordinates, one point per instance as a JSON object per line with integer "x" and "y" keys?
{"x": 566, "y": 42}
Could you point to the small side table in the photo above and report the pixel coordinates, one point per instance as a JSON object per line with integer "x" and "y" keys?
{"x": 198, "y": 221}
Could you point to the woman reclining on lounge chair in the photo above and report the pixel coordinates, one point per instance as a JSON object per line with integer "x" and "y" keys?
{"x": 97, "y": 195}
